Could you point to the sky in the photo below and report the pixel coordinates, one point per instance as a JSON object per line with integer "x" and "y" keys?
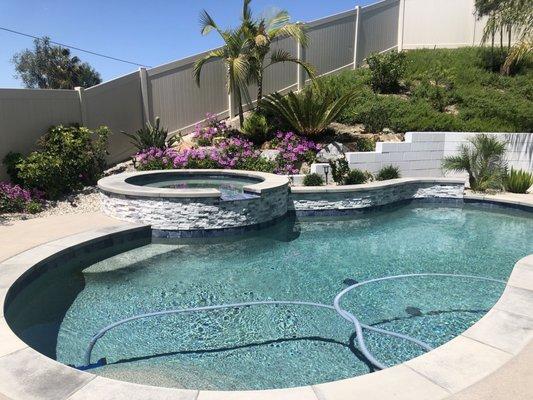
{"x": 148, "y": 32}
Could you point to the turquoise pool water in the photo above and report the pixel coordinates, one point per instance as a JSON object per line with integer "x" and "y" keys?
{"x": 277, "y": 346}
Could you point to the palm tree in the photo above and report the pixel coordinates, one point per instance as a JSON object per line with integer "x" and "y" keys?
{"x": 484, "y": 161}
{"x": 236, "y": 56}
{"x": 512, "y": 15}
{"x": 262, "y": 33}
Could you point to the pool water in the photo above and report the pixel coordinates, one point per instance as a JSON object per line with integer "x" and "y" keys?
{"x": 227, "y": 184}
{"x": 278, "y": 346}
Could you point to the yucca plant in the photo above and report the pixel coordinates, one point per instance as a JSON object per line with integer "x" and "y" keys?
{"x": 305, "y": 112}
{"x": 518, "y": 181}
{"x": 152, "y": 136}
{"x": 483, "y": 158}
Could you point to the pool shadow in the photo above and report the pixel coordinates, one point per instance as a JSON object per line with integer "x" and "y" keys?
{"x": 350, "y": 345}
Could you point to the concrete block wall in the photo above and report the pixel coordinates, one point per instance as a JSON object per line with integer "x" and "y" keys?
{"x": 421, "y": 154}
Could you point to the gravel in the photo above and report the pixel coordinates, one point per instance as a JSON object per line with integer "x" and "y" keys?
{"x": 84, "y": 201}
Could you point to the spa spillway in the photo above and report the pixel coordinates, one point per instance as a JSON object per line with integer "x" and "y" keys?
{"x": 189, "y": 203}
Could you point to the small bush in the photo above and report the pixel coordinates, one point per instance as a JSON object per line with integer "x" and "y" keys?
{"x": 257, "y": 163}
{"x": 388, "y": 172}
{"x": 365, "y": 144}
{"x": 386, "y": 71}
{"x": 313, "y": 180}
{"x": 339, "y": 170}
{"x": 68, "y": 158}
{"x": 518, "y": 181}
{"x": 10, "y": 161}
{"x": 152, "y": 136}
{"x": 256, "y": 128}
{"x": 13, "y": 198}
{"x": 355, "y": 177}
{"x": 438, "y": 96}
{"x": 492, "y": 60}
{"x": 376, "y": 118}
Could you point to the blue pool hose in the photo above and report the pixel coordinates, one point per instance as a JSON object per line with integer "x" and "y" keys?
{"x": 336, "y": 306}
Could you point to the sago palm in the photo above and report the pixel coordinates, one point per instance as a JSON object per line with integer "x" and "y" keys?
{"x": 306, "y": 112}
{"x": 262, "y": 33}
{"x": 483, "y": 158}
{"x": 236, "y": 54}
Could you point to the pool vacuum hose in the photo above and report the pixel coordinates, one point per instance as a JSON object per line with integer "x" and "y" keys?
{"x": 359, "y": 327}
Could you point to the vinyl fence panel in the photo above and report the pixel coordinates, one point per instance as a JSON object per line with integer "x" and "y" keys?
{"x": 378, "y": 28}
{"x": 26, "y": 114}
{"x": 118, "y": 105}
{"x": 332, "y": 42}
{"x": 178, "y": 101}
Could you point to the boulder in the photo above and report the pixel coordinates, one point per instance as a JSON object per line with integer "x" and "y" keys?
{"x": 332, "y": 151}
{"x": 270, "y": 155}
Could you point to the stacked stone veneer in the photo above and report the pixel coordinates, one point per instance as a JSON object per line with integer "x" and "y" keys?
{"x": 197, "y": 213}
{"x": 372, "y": 195}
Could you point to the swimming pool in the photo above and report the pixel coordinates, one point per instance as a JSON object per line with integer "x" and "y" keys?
{"x": 306, "y": 260}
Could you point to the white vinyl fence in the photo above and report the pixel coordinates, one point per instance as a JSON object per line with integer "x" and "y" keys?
{"x": 169, "y": 91}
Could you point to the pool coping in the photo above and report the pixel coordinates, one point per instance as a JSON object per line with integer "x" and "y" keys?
{"x": 487, "y": 345}
{"x": 372, "y": 185}
{"x": 117, "y": 185}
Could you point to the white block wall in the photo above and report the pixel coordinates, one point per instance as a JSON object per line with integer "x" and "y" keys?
{"x": 422, "y": 153}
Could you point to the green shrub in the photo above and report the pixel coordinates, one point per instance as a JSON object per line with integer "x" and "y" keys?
{"x": 376, "y": 118}
{"x": 386, "y": 71}
{"x": 437, "y": 96}
{"x": 355, "y": 177}
{"x": 483, "y": 160}
{"x": 365, "y": 144}
{"x": 313, "y": 180}
{"x": 256, "y": 128}
{"x": 518, "y": 181}
{"x": 10, "y": 161}
{"x": 339, "y": 170}
{"x": 257, "y": 164}
{"x": 306, "y": 113}
{"x": 388, "y": 172}
{"x": 34, "y": 207}
{"x": 68, "y": 158}
{"x": 492, "y": 60}
{"x": 152, "y": 136}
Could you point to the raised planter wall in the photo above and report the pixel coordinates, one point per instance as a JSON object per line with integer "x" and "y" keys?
{"x": 311, "y": 200}
{"x": 421, "y": 154}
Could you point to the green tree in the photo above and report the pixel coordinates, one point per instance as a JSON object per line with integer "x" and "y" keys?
{"x": 262, "y": 33}
{"x": 49, "y": 66}
{"x": 236, "y": 54}
{"x": 513, "y": 16}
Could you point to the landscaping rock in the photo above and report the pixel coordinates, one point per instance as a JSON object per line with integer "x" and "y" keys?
{"x": 270, "y": 155}
{"x": 332, "y": 151}
{"x": 305, "y": 168}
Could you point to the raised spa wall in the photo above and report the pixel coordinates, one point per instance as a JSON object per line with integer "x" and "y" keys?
{"x": 196, "y": 213}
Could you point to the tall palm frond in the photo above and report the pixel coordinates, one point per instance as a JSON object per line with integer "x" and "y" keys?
{"x": 281, "y": 56}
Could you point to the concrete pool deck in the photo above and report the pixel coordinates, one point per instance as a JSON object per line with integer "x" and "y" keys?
{"x": 479, "y": 364}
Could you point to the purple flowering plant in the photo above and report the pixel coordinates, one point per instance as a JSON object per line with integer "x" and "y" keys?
{"x": 211, "y": 128}
{"x": 294, "y": 150}
{"x": 14, "y": 198}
